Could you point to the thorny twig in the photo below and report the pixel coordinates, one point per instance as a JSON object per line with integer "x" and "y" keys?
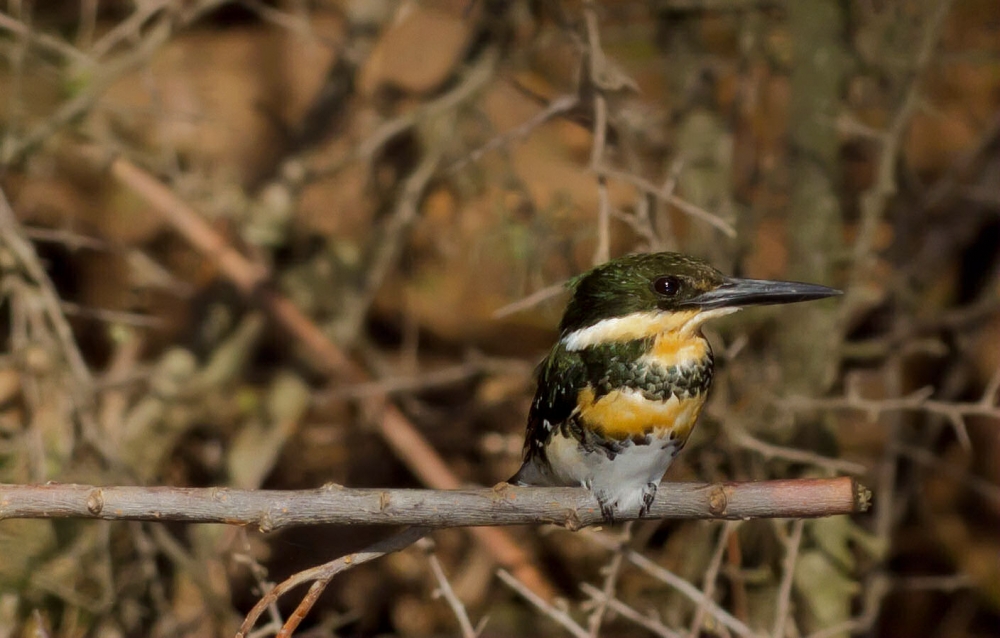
{"x": 919, "y": 401}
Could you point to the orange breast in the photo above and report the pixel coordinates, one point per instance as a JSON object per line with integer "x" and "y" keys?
{"x": 625, "y": 413}
{"x": 673, "y": 349}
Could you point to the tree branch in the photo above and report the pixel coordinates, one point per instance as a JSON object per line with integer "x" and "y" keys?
{"x": 502, "y": 505}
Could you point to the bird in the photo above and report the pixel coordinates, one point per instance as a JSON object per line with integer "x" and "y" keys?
{"x": 620, "y": 391}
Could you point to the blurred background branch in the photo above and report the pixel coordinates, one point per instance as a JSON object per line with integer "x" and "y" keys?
{"x": 274, "y": 244}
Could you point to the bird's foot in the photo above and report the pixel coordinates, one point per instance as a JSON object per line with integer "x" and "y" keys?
{"x": 608, "y": 510}
{"x": 648, "y": 496}
{"x": 608, "y": 504}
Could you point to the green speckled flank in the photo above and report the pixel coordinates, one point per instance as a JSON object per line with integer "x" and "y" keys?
{"x": 603, "y": 368}
{"x": 617, "y": 365}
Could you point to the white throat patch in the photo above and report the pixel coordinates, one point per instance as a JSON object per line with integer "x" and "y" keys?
{"x": 640, "y": 325}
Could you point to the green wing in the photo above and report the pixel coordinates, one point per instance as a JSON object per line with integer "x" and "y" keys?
{"x": 560, "y": 378}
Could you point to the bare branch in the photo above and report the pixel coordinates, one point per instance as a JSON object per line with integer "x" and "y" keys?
{"x": 503, "y": 505}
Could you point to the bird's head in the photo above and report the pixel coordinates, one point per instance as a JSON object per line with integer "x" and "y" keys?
{"x": 639, "y": 295}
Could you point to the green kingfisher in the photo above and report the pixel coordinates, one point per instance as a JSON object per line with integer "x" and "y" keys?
{"x": 619, "y": 393}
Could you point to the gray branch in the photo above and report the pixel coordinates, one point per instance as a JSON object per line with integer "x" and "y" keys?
{"x": 501, "y": 505}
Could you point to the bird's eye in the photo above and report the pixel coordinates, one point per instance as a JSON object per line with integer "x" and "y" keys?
{"x": 667, "y": 286}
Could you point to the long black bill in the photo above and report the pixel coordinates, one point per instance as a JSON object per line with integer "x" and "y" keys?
{"x": 756, "y": 292}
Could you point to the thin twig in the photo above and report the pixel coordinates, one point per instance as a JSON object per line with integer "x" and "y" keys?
{"x": 876, "y": 590}
{"x": 321, "y": 575}
{"x": 472, "y": 82}
{"x": 792, "y": 545}
{"x": 917, "y": 401}
{"x": 393, "y": 237}
{"x": 129, "y": 28}
{"x": 981, "y": 486}
{"x": 768, "y": 450}
{"x": 681, "y": 585}
{"x": 43, "y": 41}
{"x": 76, "y": 106}
{"x": 597, "y": 64}
{"x": 668, "y": 196}
{"x": 612, "y": 571}
{"x": 428, "y": 379}
{"x": 946, "y": 184}
{"x": 556, "y": 614}
{"x": 711, "y": 573}
{"x": 112, "y": 316}
{"x": 602, "y": 252}
{"x": 530, "y": 301}
{"x": 559, "y": 105}
{"x": 12, "y": 235}
{"x": 875, "y": 199}
{"x": 68, "y": 238}
{"x": 650, "y": 623}
{"x": 446, "y": 591}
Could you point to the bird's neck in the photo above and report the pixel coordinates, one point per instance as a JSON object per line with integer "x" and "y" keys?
{"x": 660, "y": 339}
{"x": 632, "y": 327}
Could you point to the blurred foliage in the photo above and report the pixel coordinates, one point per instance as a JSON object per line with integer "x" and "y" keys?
{"x": 852, "y": 143}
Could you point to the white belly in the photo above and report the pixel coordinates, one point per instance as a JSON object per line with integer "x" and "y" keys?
{"x": 621, "y": 482}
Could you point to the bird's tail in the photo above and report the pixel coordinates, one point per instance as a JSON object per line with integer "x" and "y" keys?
{"x": 529, "y": 474}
